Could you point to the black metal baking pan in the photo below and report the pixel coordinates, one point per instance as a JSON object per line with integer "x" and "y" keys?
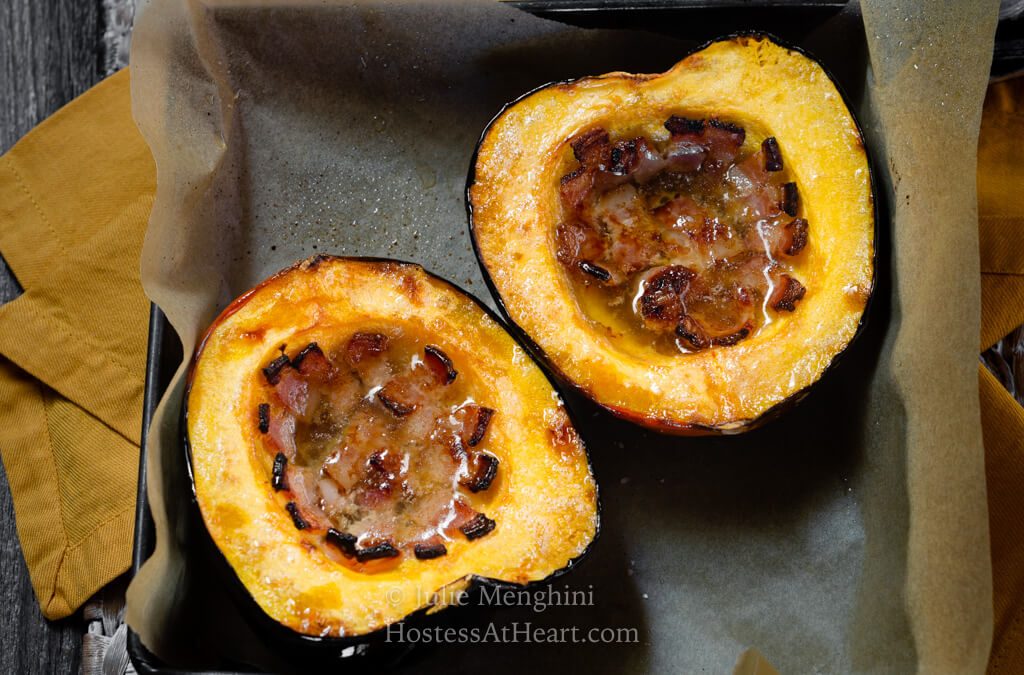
{"x": 792, "y": 20}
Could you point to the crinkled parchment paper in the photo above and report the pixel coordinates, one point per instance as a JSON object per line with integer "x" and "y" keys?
{"x": 850, "y": 535}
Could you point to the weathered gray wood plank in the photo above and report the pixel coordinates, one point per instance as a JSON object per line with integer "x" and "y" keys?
{"x": 50, "y": 51}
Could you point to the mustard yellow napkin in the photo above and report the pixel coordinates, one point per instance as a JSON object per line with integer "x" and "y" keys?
{"x": 75, "y": 196}
{"x": 1001, "y": 232}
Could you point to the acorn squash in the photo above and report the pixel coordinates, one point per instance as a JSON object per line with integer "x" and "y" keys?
{"x": 366, "y": 441}
{"x": 690, "y": 250}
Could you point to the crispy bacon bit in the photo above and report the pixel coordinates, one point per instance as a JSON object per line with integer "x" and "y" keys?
{"x": 796, "y": 232}
{"x": 485, "y": 471}
{"x": 726, "y": 340}
{"x": 661, "y": 301}
{"x": 440, "y": 364}
{"x": 595, "y": 271}
{"x": 389, "y": 399}
{"x": 479, "y": 526}
{"x": 679, "y": 126}
{"x": 625, "y": 156}
{"x": 733, "y": 129}
{"x": 483, "y": 421}
{"x": 430, "y": 551}
{"x": 264, "y": 417}
{"x": 293, "y": 391}
{"x": 273, "y": 370}
{"x": 362, "y": 346}
{"x": 293, "y": 510}
{"x": 575, "y": 187}
{"x": 693, "y": 334}
{"x": 592, "y": 149}
{"x": 277, "y": 474}
{"x": 312, "y": 362}
{"x": 697, "y": 339}
{"x": 384, "y": 549}
{"x": 343, "y": 541}
{"x": 790, "y": 199}
{"x": 577, "y": 242}
{"x": 787, "y": 293}
{"x": 772, "y": 154}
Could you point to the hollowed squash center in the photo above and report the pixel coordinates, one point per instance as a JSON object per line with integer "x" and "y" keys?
{"x": 376, "y": 447}
{"x": 685, "y": 244}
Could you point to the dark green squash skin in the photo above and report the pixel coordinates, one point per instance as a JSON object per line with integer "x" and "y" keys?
{"x": 374, "y": 650}
{"x": 667, "y": 426}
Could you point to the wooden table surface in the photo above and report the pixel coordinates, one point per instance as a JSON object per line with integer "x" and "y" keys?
{"x": 50, "y": 52}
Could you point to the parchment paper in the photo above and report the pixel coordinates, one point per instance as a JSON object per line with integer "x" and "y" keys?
{"x": 848, "y": 536}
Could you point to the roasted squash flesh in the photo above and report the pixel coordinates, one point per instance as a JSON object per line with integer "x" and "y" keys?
{"x": 363, "y": 434}
{"x": 690, "y": 249}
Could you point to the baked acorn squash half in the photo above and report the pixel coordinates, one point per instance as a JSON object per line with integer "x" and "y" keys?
{"x": 691, "y": 249}
{"x": 366, "y": 441}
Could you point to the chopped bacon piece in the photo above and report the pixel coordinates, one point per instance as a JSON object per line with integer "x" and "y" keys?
{"x": 302, "y": 484}
{"x": 593, "y": 148}
{"x": 293, "y": 391}
{"x": 636, "y": 158}
{"x": 795, "y": 238}
{"x": 684, "y": 156}
{"x": 390, "y": 397}
{"x": 263, "y": 415}
{"x": 277, "y": 473}
{"x": 485, "y": 469}
{"x": 683, "y": 126}
{"x": 578, "y": 241}
{"x": 475, "y": 420}
{"x": 312, "y": 363}
{"x": 576, "y": 188}
{"x": 479, "y": 526}
{"x": 429, "y": 551}
{"x": 343, "y": 541}
{"x": 440, "y": 364}
{"x": 293, "y": 510}
{"x": 693, "y": 334}
{"x": 790, "y": 199}
{"x": 661, "y": 299}
{"x": 596, "y": 271}
{"x": 772, "y": 154}
{"x": 273, "y": 369}
{"x": 787, "y": 293}
{"x": 696, "y": 337}
{"x": 384, "y": 549}
{"x": 723, "y": 142}
{"x": 362, "y": 346}
{"x": 384, "y": 468}
{"x": 282, "y": 433}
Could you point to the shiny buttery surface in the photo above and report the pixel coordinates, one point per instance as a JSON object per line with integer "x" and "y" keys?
{"x": 682, "y": 241}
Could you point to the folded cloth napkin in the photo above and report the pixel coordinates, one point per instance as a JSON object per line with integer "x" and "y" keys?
{"x": 1001, "y": 234}
{"x": 75, "y": 196}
